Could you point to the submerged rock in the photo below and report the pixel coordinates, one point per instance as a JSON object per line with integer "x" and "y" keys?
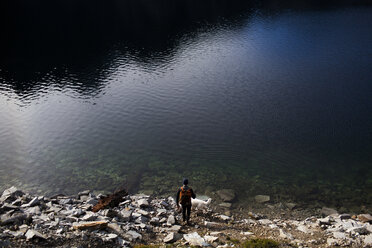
{"x": 226, "y": 195}
{"x": 262, "y": 198}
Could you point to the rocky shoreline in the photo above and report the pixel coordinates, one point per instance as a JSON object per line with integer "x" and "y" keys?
{"x": 137, "y": 220}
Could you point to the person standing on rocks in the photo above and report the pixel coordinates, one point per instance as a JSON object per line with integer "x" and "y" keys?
{"x": 184, "y": 195}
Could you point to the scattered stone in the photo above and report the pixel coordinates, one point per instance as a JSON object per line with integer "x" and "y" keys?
{"x": 285, "y": 235}
{"x": 368, "y": 240}
{"x": 172, "y": 237}
{"x": 365, "y": 218}
{"x": 143, "y": 203}
{"x": 303, "y": 228}
{"x": 210, "y": 239}
{"x": 210, "y": 224}
{"x": 265, "y": 222}
{"x": 345, "y": 216}
{"x": 224, "y": 217}
{"x": 175, "y": 228}
{"x": 90, "y": 225}
{"x": 17, "y": 218}
{"x": 132, "y": 235}
{"x": 262, "y": 198}
{"x": 30, "y": 234}
{"x": 226, "y": 195}
{"x": 10, "y": 194}
{"x": 247, "y": 233}
{"x": 171, "y": 220}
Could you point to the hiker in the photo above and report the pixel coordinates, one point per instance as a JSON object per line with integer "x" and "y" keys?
{"x": 184, "y": 195}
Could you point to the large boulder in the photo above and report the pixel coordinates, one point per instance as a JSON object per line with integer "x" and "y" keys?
{"x": 10, "y": 194}
{"x": 226, "y": 195}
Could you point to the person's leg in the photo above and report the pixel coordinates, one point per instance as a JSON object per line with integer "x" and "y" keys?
{"x": 188, "y": 212}
{"x": 184, "y": 212}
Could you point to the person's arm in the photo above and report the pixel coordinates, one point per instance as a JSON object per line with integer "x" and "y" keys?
{"x": 193, "y": 194}
{"x": 178, "y": 196}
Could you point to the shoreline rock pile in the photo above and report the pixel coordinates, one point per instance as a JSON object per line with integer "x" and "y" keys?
{"x": 64, "y": 221}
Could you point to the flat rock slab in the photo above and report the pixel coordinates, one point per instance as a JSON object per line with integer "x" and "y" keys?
{"x": 89, "y": 225}
{"x": 30, "y": 234}
{"x": 172, "y": 237}
{"x": 226, "y": 195}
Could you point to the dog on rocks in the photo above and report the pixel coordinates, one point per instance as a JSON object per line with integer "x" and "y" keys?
{"x": 197, "y": 204}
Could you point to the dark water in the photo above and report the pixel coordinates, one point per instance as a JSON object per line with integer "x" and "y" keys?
{"x": 263, "y": 99}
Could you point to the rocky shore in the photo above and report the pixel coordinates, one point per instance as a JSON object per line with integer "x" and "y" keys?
{"x": 144, "y": 221}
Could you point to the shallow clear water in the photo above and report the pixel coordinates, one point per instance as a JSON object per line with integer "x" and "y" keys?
{"x": 259, "y": 100}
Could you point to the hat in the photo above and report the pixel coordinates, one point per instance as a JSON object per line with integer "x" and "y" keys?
{"x": 185, "y": 181}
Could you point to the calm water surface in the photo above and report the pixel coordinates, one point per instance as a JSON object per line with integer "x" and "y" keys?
{"x": 259, "y": 100}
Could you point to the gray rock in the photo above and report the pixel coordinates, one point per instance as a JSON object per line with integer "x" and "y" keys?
{"x": 141, "y": 220}
{"x": 339, "y": 235}
{"x": 126, "y": 215}
{"x": 368, "y": 240}
{"x": 362, "y": 230}
{"x": 303, "y": 228}
{"x": 154, "y": 221}
{"x": 143, "y": 212}
{"x": 35, "y": 201}
{"x": 171, "y": 220}
{"x": 224, "y": 217}
{"x": 143, "y": 203}
{"x": 365, "y": 218}
{"x": 285, "y": 235}
{"x": 326, "y": 221}
{"x": 89, "y": 216}
{"x": 226, "y": 195}
{"x": 328, "y": 211}
{"x": 7, "y": 219}
{"x": 30, "y": 234}
{"x": 33, "y": 210}
{"x": 345, "y": 216}
{"x": 210, "y": 239}
{"x": 161, "y": 212}
{"x": 85, "y": 192}
{"x": 132, "y": 236}
{"x": 262, "y": 198}
{"x": 110, "y": 237}
{"x": 91, "y": 201}
{"x": 10, "y": 194}
{"x": 172, "y": 237}
{"x": 66, "y": 201}
{"x": 209, "y": 224}
{"x": 84, "y": 198}
{"x": 175, "y": 228}
{"x": 265, "y": 221}
{"x": 7, "y": 207}
{"x": 115, "y": 228}
{"x": 225, "y": 204}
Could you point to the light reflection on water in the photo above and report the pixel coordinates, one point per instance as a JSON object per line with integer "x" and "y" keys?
{"x": 274, "y": 104}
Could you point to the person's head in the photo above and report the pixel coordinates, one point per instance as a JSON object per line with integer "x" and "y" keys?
{"x": 185, "y": 181}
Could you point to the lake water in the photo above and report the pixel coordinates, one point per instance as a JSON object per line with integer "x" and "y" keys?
{"x": 262, "y": 99}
